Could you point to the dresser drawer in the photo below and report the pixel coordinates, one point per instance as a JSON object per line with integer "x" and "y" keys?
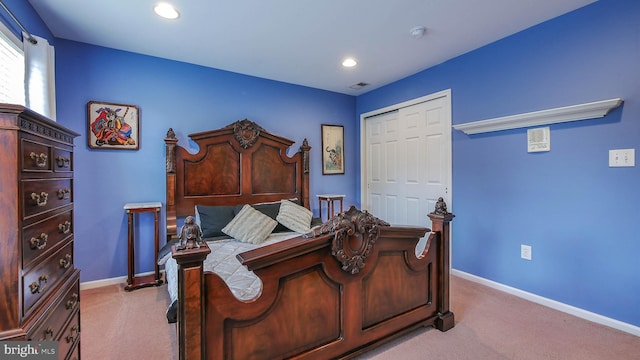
{"x": 39, "y": 237}
{"x": 70, "y": 336}
{"x": 36, "y": 156}
{"x": 44, "y": 195}
{"x": 52, "y": 327}
{"x": 38, "y": 282}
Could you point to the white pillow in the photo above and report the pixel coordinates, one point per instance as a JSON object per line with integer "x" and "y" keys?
{"x": 294, "y": 217}
{"x": 250, "y": 226}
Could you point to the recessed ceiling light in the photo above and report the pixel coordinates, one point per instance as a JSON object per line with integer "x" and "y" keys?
{"x": 349, "y": 62}
{"x": 166, "y": 11}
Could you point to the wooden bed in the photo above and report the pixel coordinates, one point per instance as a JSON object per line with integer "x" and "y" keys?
{"x": 344, "y": 288}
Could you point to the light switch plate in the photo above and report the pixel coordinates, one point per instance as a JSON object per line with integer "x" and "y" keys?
{"x": 622, "y": 158}
{"x": 525, "y": 252}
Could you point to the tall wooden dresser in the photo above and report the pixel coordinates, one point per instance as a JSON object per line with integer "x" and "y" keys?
{"x": 39, "y": 284}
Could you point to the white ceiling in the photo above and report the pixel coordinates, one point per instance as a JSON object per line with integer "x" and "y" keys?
{"x": 301, "y": 41}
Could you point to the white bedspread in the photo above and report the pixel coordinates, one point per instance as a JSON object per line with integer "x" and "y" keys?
{"x": 244, "y": 284}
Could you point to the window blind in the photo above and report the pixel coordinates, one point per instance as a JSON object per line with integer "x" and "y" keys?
{"x": 11, "y": 72}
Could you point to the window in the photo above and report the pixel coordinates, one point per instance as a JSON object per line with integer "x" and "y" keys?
{"x": 11, "y": 68}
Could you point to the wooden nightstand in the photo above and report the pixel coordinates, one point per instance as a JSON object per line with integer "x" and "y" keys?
{"x": 134, "y": 282}
{"x": 330, "y": 199}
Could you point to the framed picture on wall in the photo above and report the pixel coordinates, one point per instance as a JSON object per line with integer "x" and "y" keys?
{"x": 332, "y": 149}
{"x": 113, "y": 126}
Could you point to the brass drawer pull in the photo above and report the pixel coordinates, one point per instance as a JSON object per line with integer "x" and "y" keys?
{"x": 66, "y": 261}
{"x": 65, "y": 227}
{"x": 40, "y": 160}
{"x": 40, "y": 242}
{"x": 40, "y": 199}
{"x": 49, "y": 332}
{"x": 71, "y": 303}
{"x": 70, "y": 338}
{"x": 38, "y": 287}
{"x": 63, "y": 162}
{"x": 63, "y": 194}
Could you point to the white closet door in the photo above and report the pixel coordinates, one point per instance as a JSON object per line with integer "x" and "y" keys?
{"x": 408, "y": 161}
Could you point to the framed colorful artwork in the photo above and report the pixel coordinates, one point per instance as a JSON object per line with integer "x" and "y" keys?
{"x": 113, "y": 126}
{"x": 332, "y": 149}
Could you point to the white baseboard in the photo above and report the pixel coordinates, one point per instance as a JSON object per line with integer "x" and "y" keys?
{"x": 112, "y": 281}
{"x": 584, "y": 314}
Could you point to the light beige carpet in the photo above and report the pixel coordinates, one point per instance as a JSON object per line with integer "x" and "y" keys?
{"x": 490, "y": 324}
{"x": 120, "y": 325}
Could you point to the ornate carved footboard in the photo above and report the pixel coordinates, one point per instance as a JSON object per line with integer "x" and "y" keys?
{"x": 353, "y": 284}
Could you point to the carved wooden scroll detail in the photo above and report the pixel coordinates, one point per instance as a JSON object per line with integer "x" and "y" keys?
{"x": 246, "y": 132}
{"x": 355, "y": 233}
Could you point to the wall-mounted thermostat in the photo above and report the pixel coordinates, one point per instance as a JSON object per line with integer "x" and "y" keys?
{"x": 539, "y": 139}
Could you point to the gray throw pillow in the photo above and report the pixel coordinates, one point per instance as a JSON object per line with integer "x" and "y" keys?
{"x": 294, "y": 217}
{"x": 250, "y": 225}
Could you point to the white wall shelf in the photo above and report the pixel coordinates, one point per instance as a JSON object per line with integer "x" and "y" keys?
{"x": 585, "y": 111}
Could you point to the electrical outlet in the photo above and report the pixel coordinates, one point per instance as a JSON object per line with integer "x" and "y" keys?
{"x": 525, "y": 252}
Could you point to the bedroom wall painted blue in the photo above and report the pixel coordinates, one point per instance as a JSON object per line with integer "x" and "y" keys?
{"x": 189, "y": 99}
{"x": 581, "y": 217}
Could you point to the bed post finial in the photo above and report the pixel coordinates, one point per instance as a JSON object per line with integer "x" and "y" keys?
{"x": 170, "y": 142}
{"x": 190, "y": 235}
{"x": 305, "y": 154}
{"x": 305, "y": 148}
{"x": 440, "y": 224}
{"x": 441, "y": 207}
{"x": 170, "y": 159}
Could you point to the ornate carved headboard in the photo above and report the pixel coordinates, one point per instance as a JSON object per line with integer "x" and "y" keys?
{"x": 238, "y": 164}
